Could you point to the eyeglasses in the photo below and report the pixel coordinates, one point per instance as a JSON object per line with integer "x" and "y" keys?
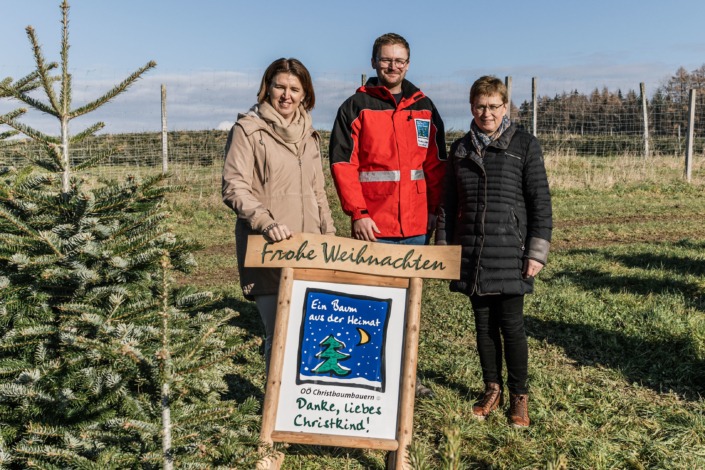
{"x": 491, "y": 107}
{"x": 385, "y": 62}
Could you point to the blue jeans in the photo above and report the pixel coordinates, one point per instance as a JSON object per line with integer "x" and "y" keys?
{"x": 416, "y": 240}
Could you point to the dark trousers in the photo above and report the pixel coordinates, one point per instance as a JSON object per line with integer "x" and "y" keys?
{"x": 500, "y": 319}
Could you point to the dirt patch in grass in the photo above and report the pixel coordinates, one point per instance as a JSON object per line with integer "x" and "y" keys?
{"x": 568, "y": 244}
{"x": 224, "y": 249}
{"x": 627, "y": 219}
{"x": 665, "y": 228}
{"x": 207, "y": 274}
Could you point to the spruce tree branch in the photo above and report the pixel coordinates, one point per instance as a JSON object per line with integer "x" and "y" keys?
{"x": 31, "y": 81}
{"x": 34, "y": 103}
{"x": 223, "y": 355}
{"x": 93, "y": 161}
{"x": 12, "y": 115}
{"x": 42, "y": 71}
{"x": 27, "y": 83}
{"x": 112, "y": 93}
{"x": 24, "y": 228}
{"x": 20, "y": 89}
{"x": 88, "y": 132}
{"x": 29, "y": 131}
{"x": 7, "y": 135}
{"x": 55, "y": 164}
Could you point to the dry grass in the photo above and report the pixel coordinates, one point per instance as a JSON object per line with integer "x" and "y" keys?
{"x": 570, "y": 172}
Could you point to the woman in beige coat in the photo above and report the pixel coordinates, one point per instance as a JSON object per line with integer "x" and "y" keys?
{"x": 273, "y": 177}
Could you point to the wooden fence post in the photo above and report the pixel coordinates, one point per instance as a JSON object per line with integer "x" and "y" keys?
{"x": 690, "y": 137}
{"x": 508, "y": 84}
{"x": 165, "y": 140}
{"x": 534, "y": 104}
{"x": 645, "y": 119}
{"x": 363, "y": 79}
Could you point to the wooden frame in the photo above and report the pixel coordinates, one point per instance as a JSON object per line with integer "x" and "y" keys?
{"x": 405, "y": 413}
{"x": 319, "y": 261}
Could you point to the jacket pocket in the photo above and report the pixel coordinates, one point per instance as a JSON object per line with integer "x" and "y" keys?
{"x": 260, "y": 156}
{"x": 517, "y": 226}
{"x": 513, "y": 155}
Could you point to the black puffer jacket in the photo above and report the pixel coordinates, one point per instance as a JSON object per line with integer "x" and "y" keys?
{"x": 498, "y": 207}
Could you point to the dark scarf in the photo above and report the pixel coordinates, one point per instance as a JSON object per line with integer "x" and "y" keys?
{"x": 481, "y": 141}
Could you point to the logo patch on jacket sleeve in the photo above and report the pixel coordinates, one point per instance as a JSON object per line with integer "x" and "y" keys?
{"x": 423, "y": 132}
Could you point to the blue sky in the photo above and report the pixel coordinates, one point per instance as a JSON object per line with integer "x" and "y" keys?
{"x": 211, "y": 53}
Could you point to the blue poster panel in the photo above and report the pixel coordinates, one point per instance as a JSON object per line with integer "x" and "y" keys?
{"x": 342, "y": 340}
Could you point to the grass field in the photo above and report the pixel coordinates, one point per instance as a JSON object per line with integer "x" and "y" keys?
{"x": 616, "y": 330}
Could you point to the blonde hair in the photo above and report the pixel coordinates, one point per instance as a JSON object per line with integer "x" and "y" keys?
{"x": 488, "y": 85}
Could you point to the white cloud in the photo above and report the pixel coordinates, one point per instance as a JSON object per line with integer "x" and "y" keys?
{"x": 225, "y": 125}
{"x": 212, "y": 99}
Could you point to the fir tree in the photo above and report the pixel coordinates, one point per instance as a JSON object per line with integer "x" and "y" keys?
{"x": 331, "y": 358}
{"x": 102, "y": 363}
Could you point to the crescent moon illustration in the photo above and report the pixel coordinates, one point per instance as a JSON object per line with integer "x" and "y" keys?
{"x": 364, "y": 336}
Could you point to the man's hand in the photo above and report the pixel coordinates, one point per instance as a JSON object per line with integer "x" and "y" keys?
{"x": 365, "y": 229}
{"x": 531, "y": 268}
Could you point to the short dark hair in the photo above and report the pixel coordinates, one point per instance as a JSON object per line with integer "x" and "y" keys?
{"x": 488, "y": 85}
{"x": 297, "y": 69}
{"x": 388, "y": 40}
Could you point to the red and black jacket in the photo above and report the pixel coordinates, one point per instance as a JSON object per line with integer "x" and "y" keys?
{"x": 388, "y": 159}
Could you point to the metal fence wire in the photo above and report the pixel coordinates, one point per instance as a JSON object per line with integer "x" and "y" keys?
{"x": 597, "y": 123}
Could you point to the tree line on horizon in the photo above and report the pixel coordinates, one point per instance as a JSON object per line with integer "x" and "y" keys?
{"x": 605, "y": 112}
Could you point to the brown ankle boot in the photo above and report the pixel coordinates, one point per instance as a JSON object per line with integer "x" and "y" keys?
{"x": 491, "y": 399}
{"x": 519, "y": 410}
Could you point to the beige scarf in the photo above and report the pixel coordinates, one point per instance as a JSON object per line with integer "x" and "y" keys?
{"x": 291, "y": 133}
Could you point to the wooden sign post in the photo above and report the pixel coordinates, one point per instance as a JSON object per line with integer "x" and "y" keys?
{"x": 344, "y": 354}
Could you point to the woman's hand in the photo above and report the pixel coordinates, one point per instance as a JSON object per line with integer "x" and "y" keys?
{"x": 277, "y": 232}
{"x": 531, "y": 268}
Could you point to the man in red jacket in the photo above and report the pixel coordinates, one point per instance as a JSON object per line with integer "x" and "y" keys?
{"x": 387, "y": 154}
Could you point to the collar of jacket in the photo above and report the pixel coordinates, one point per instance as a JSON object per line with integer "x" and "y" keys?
{"x": 465, "y": 147}
{"x": 250, "y": 122}
{"x": 409, "y": 91}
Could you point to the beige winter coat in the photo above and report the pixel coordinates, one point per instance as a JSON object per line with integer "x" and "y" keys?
{"x": 266, "y": 182}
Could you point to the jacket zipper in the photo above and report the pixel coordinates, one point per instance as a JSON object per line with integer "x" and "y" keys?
{"x": 518, "y": 225}
{"x": 301, "y": 187}
{"x": 482, "y": 235}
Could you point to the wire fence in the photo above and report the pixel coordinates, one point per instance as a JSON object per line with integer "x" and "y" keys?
{"x": 201, "y": 108}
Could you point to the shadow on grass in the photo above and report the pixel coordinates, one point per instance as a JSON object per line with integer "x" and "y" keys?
{"x": 665, "y": 363}
{"x": 426, "y": 376}
{"x": 669, "y": 364}
{"x": 593, "y": 279}
{"x": 648, "y": 261}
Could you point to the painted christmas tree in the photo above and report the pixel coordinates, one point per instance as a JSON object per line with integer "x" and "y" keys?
{"x": 332, "y": 357}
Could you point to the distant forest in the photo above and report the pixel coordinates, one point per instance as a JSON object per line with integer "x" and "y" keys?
{"x": 605, "y": 112}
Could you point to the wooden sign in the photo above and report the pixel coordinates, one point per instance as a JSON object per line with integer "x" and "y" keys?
{"x": 343, "y": 364}
{"x": 305, "y": 250}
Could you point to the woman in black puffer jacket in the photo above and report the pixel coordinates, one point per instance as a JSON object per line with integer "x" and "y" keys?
{"x": 497, "y": 205}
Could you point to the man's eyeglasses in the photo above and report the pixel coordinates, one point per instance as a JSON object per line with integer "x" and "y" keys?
{"x": 491, "y": 107}
{"x": 399, "y": 63}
